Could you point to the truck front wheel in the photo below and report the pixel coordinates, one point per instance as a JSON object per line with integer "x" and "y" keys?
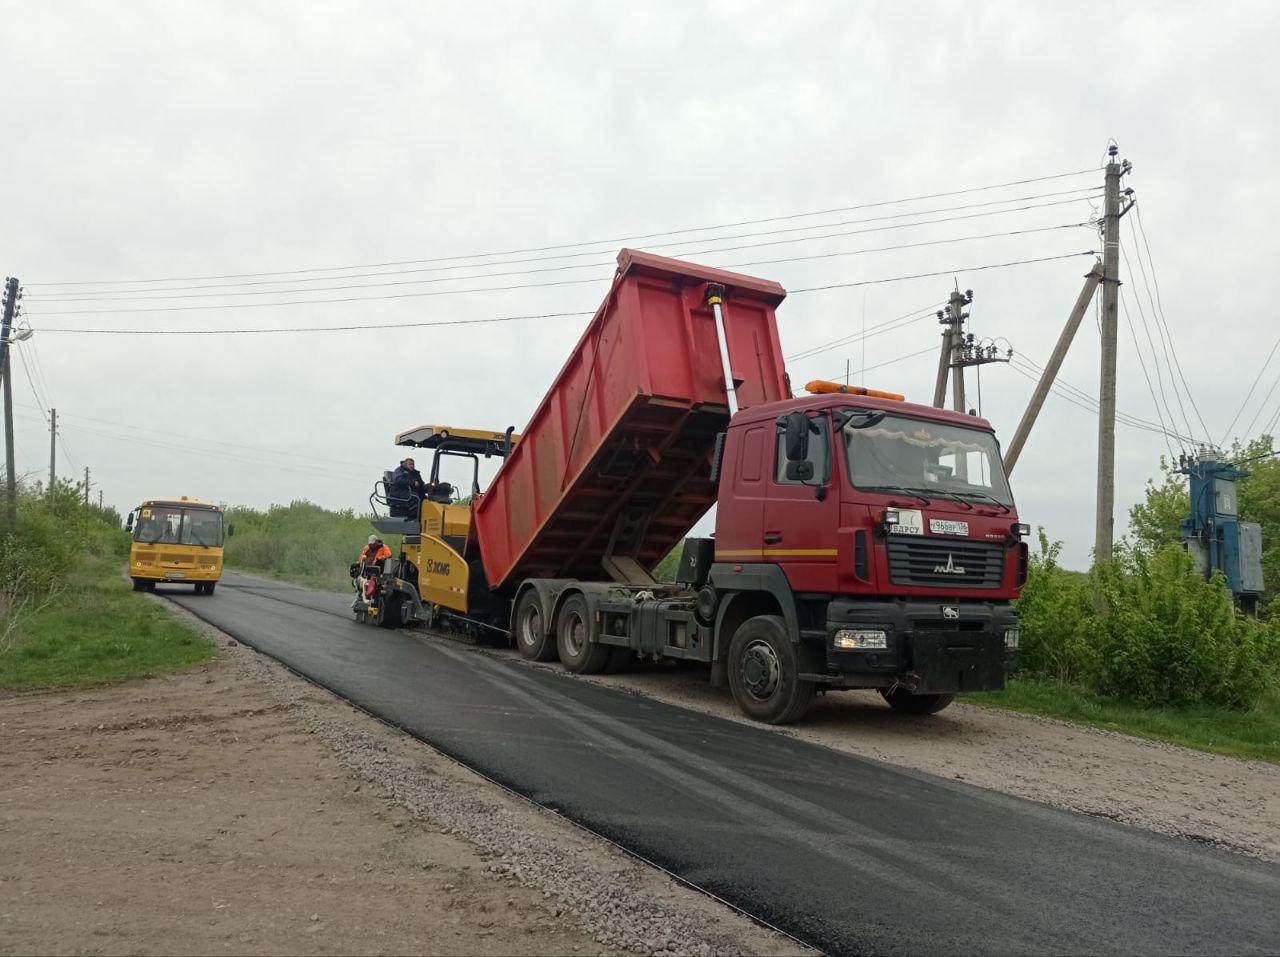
{"x": 531, "y": 630}
{"x": 764, "y": 672}
{"x": 902, "y": 700}
{"x": 575, "y": 631}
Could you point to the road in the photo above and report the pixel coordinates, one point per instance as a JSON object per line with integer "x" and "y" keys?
{"x": 847, "y": 854}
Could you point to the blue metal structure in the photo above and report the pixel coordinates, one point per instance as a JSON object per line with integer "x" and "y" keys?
{"x": 1213, "y": 535}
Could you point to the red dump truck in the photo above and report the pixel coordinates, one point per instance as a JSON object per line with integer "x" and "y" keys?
{"x": 860, "y": 541}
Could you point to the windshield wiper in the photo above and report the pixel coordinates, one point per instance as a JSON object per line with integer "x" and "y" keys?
{"x": 986, "y": 498}
{"x": 903, "y": 489}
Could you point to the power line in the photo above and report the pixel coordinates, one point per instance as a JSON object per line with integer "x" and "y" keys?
{"x": 1165, "y": 346}
{"x": 1249, "y": 394}
{"x": 34, "y": 391}
{"x": 1159, "y": 306}
{"x": 1155, "y": 360}
{"x": 1133, "y": 333}
{"x": 464, "y": 322}
{"x": 129, "y": 297}
{"x": 898, "y": 322}
{"x": 881, "y": 365}
{"x": 578, "y": 245}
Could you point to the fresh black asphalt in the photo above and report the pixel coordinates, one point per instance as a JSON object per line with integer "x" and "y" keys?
{"x": 849, "y": 855}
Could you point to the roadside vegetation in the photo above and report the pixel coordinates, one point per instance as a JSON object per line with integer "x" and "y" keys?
{"x": 67, "y": 613}
{"x": 1143, "y": 644}
{"x": 299, "y": 542}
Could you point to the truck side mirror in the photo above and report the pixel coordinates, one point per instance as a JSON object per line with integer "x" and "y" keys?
{"x": 128, "y": 523}
{"x": 796, "y": 439}
{"x": 800, "y": 471}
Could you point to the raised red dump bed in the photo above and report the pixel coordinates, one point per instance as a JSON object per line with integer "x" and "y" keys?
{"x": 616, "y": 459}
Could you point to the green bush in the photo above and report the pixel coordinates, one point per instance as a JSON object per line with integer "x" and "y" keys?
{"x": 1145, "y": 628}
{"x": 300, "y": 541}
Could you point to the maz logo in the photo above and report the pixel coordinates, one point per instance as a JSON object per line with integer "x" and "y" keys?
{"x": 950, "y": 568}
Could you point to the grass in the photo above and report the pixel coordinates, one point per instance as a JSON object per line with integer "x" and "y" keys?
{"x": 99, "y": 630}
{"x": 1253, "y": 733}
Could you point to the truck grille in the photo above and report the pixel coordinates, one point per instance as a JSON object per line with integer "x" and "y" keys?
{"x": 934, "y": 563}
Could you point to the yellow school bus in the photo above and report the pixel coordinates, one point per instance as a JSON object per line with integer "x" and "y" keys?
{"x": 176, "y": 540}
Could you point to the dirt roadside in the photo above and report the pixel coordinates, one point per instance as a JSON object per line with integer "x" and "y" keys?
{"x": 1202, "y": 797}
{"x": 238, "y": 809}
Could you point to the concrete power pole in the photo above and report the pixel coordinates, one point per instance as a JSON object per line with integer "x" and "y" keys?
{"x": 10, "y": 480}
{"x": 86, "y": 487}
{"x": 1051, "y": 370}
{"x": 1104, "y": 535}
{"x": 956, "y": 310}
{"x": 53, "y": 449}
{"x": 944, "y": 364}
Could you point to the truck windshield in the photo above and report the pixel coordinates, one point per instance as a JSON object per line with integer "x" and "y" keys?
{"x": 932, "y": 459}
{"x": 170, "y": 525}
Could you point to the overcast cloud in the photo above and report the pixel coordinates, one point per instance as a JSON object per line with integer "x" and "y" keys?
{"x": 153, "y": 140}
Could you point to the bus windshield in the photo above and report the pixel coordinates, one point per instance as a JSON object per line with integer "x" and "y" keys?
{"x": 930, "y": 459}
{"x": 173, "y": 525}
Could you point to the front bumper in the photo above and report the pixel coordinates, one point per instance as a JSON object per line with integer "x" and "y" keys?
{"x": 186, "y": 573}
{"x": 933, "y": 647}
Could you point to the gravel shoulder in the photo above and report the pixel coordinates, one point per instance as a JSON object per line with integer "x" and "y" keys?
{"x": 1191, "y": 794}
{"x": 236, "y": 808}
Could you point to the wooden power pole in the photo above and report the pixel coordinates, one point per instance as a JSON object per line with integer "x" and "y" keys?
{"x": 10, "y": 480}
{"x": 53, "y": 449}
{"x": 1104, "y": 534}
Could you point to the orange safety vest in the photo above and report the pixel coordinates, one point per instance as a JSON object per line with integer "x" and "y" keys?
{"x": 383, "y": 552}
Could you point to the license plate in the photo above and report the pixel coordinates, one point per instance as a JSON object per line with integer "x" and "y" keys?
{"x": 175, "y": 574}
{"x": 943, "y": 526}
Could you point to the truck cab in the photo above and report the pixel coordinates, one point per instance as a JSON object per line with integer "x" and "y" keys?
{"x": 884, "y": 536}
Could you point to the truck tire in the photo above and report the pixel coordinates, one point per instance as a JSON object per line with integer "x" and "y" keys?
{"x": 764, "y": 672}
{"x": 532, "y": 639}
{"x": 902, "y": 700}
{"x": 575, "y": 638}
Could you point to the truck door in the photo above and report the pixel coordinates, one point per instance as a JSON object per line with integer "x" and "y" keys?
{"x": 740, "y": 515}
{"x": 801, "y": 518}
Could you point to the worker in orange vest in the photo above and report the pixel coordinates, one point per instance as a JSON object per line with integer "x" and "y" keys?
{"x": 370, "y": 557}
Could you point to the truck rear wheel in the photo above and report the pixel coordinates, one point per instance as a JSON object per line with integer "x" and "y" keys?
{"x": 902, "y": 700}
{"x": 764, "y": 672}
{"x": 532, "y": 639}
{"x": 575, "y": 634}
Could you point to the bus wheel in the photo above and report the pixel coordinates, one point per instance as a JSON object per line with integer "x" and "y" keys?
{"x": 902, "y": 700}
{"x": 764, "y": 672}
{"x": 209, "y": 587}
{"x": 531, "y": 630}
{"x": 139, "y": 584}
{"x": 575, "y": 632}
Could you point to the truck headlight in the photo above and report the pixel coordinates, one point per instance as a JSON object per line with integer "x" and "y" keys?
{"x": 861, "y": 640}
{"x": 1011, "y": 639}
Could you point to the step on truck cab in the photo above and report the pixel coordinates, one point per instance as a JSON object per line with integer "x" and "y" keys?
{"x": 860, "y": 541}
{"x": 176, "y": 540}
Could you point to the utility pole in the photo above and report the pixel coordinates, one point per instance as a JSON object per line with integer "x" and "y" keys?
{"x": 1104, "y": 535}
{"x": 955, "y": 309}
{"x": 10, "y": 480}
{"x": 1051, "y": 370}
{"x": 99, "y": 499}
{"x": 952, "y": 317}
{"x": 53, "y": 448}
{"x": 944, "y": 364}
{"x": 86, "y": 487}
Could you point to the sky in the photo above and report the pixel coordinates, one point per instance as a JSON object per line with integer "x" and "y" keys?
{"x": 174, "y": 142}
